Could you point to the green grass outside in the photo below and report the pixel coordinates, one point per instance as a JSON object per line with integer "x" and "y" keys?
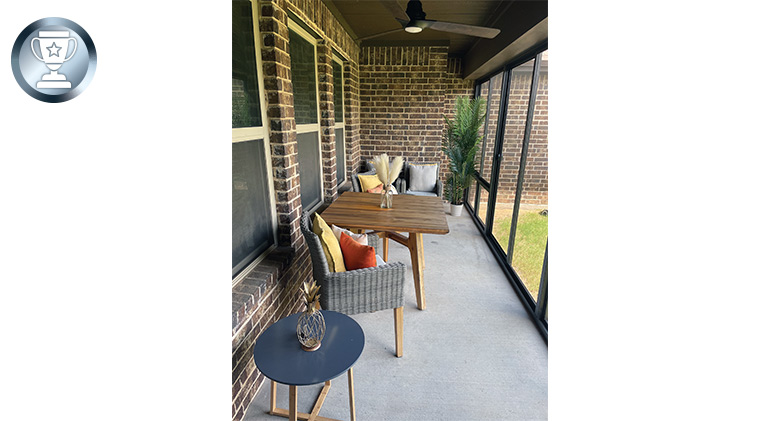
{"x": 530, "y": 240}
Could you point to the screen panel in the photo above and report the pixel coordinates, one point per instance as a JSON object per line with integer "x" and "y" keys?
{"x": 341, "y": 164}
{"x": 338, "y": 89}
{"x": 252, "y": 217}
{"x": 310, "y": 169}
{"x": 304, "y": 79}
{"x": 246, "y": 91}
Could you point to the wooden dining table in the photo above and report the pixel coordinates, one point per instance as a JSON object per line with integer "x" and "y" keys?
{"x": 415, "y": 215}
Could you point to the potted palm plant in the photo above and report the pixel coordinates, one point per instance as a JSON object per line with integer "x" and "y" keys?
{"x": 460, "y": 145}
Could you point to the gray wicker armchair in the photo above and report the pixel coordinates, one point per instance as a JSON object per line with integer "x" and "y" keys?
{"x": 361, "y": 290}
{"x": 406, "y": 182}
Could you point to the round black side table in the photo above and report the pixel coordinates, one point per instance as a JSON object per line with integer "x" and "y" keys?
{"x": 278, "y": 355}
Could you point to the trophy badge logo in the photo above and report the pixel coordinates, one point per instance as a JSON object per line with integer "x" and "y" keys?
{"x": 53, "y": 59}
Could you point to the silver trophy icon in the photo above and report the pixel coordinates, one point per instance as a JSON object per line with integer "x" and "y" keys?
{"x": 54, "y": 48}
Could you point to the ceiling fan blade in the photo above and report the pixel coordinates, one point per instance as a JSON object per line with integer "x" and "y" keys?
{"x": 402, "y": 22}
{"x": 458, "y": 28}
{"x": 398, "y": 13}
{"x": 381, "y": 34}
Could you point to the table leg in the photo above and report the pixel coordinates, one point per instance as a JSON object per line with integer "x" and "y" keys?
{"x": 385, "y": 245}
{"x": 422, "y": 253}
{"x": 398, "y": 314}
{"x": 293, "y": 403}
{"x": 293, "y": 413}
{"x": 320, "y": 400}
{"x": 418, "y": 266}
{"x": 351, "y": 394}
{"x": 273, "y": 396}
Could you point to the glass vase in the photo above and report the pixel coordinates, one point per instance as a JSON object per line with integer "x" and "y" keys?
{"x": 387, "y": 198}
{"x": 311, "y": 328}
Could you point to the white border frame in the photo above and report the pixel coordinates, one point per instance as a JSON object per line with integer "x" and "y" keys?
{"x": 312, "y": 127}
{"x": 245, "y": 134}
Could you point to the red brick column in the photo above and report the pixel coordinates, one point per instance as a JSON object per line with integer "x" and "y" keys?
{"x": 284, "y": 148}
{"x": 327, "y": 119}
{"x": 352, "y": 117}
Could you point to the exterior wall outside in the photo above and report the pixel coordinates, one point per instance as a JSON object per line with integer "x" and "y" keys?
{"x": 327, "y": 120}
{"x": 266, "y": 295}
{"x": 270, "y": 291}
{"x": 352, "y": 117}
{"x": 404, "y": 94}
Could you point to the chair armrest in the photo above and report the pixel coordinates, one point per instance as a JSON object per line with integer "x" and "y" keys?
{"x": 364, "y": 290}
{"x": 439, "y": 188}
{"x": 373, "y": 241}
{"x": 402, "y": 190}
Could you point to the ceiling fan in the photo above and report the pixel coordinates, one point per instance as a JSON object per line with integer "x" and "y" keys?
{"x": 413, "y": 20}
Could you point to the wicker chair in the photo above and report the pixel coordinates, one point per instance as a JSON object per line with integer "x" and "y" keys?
{"x": 406, "y": 182}
{"x": 361, "y": 290}
{"x": 372, "y": 171}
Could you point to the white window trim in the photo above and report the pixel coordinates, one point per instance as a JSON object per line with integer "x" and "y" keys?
{"x": 340, "y": 124}
{"x": 313, "y": 127}
{"x": 260, "y": 133}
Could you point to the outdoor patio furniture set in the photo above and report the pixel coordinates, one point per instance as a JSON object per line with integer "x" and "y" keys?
{"x": 344, "y": 292}
{"x": 418, "y": 179}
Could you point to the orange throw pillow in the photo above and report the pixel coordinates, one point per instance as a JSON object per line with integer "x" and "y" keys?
{"x": 356, "y": 256}
{"x": 377, "y": 189}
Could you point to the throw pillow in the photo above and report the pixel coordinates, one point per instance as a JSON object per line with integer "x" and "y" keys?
{"x": 356, "y": 256}
{"x": 422, "y": 177}
{"x": 377, "y": 189}
{"x": 360, "y": 238}
{"x": 330, "y": 245}
{"x": 368, "y": 182}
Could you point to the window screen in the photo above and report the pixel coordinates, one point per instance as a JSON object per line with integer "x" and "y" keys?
{"x": 309, "y": 166}
{"x": 341, "y": 165}
{"x": 304, "y": 79}
{"x": 246, "y": 92}
{"x": 338, "y": 89}
{"x": 252, "y": 228}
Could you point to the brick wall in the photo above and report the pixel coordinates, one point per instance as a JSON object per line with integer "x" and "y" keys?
{"x": 266, "y": 295}
{"x": 270, "y": 291}
{"x": 327, "y": 119}
{"x": 404, "y": 93}
{"x": 316, "y": 16}
{"x": 352, "y": 117}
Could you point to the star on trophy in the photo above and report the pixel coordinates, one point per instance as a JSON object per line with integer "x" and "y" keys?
{"x": 54, "y": 49}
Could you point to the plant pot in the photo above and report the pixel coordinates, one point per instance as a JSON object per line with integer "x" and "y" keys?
{"x": 456, "y": 210}
{"x": 446, "y": 206}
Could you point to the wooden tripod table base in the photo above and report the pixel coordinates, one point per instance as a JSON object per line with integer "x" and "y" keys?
{"x": 293, "y": 414}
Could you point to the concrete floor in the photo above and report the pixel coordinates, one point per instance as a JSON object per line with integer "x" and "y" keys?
{"x": 473, "y": 354}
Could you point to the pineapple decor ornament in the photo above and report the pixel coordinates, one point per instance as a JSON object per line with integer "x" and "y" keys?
{"x": 311, "y": 323}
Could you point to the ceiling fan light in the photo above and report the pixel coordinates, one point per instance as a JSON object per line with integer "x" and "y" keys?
{"x": 412, "y": 29}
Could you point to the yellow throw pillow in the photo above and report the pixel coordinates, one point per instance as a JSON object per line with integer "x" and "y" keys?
{"x": 330, "y": 244}
{"x": 368, "y": 182}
